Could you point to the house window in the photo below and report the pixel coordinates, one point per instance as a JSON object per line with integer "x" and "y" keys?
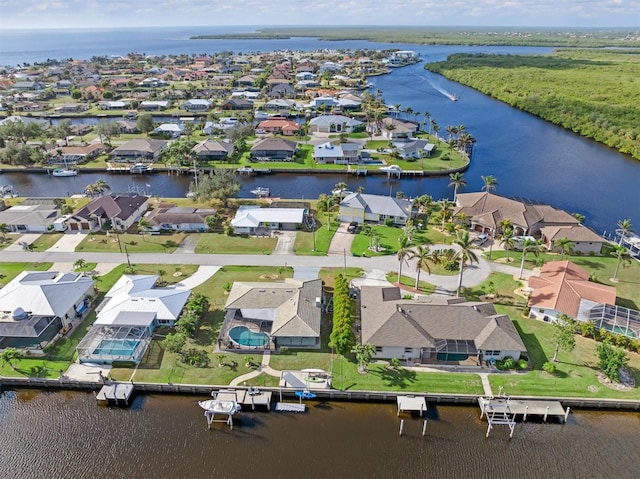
{"x": 378, "y": 349}
{"x": 408, "y": 350}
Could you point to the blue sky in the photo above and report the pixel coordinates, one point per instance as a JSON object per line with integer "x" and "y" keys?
{"x": 112, "y": 13}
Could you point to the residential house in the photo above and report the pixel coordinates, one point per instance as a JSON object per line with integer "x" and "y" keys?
{"x": 139, "y": 149}
{"x": 336, "y": 152}
{"x": 154, "y": 105}
{"x": 485, "y": 211}
{"x": 29, "y": 218}
{"x": 169, "y": 217}
{"x": 563, "y": 287}
{"x": 36, "y": 306}
{"x": 583, "y": 240}
{"x": 279, "y": 125}
{"x": 237, "y": 104}
{"x": 273, "y": 149}
{"x": 394, "y": 128}
{"x": 213, "y": 150}
{"x": 333, "y": 124}
{"x": 173, "y": 130}
{"x": 127, "y": 126}
{"x": 413, "y": 148}
{"x": 288, "y": 313}
{"x": 131, "y": 310}
{"x": 363, "y": 207}
{"x": 251, "y": 219}
{"x": 121, "y": 211}
{"x": 439, "y": 330}
{"x": 75, "y": 154}
{"x": 197, "y": 105}
{"x": 114, "y": 105}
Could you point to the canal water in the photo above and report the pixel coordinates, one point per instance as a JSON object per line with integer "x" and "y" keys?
{"x": 65, "y": 434}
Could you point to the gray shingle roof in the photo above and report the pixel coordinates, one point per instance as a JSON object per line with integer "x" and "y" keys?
{"x": 376, "y": 204}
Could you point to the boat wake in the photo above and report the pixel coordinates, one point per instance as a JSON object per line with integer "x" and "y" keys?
{"x": 441, "y": 90}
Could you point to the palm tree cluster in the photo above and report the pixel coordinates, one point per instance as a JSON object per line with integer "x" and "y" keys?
{"x": 96, "y": 189}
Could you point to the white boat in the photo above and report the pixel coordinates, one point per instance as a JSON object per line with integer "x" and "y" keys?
{"x": 391, "y": 169}
{"x": 140, "y": 168}
{"x": 245, "y": 169}
{"x": 220, "y": 407}
{"x": 61, "y": 172}
{"x": 260, "y": 191}
{"x": 341, "y": 192}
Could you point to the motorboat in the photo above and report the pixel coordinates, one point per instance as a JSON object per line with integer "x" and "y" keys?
{"x": 220, "y": 407}
{"x": 341, "y": 192}
{"x": 140, "y": 168}
{"x": 260, "y": 192}
{"x": 391, "y": 169}
{"x": 62, "y": 172}
{"x": 245, "y": 169}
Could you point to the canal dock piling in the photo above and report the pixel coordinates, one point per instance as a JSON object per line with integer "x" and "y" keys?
{"x": 411, "y": 404}
{"x": 114, "y": 392}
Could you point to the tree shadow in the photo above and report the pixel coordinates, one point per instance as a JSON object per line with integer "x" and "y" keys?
{"x": 537, "y": 356}
{"x": 401, "y": 378}
{"x": 152, "y": 358}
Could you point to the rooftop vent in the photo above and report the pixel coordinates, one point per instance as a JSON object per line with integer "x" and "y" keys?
{"x": 19, "y": 314}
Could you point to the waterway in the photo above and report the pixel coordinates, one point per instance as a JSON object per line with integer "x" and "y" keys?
{"x": 65, "y": 434}
{"x": 530, "y": 158}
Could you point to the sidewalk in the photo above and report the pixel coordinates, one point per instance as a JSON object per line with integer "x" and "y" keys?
{"x": 263, "y": 368}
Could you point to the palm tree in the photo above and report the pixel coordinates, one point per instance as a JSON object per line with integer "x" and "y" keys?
{"x": 403, "y": 253}
{"x": 326, "y": 202}
{"x": 101, "y": 186}
{"x": 457, "y": 181}
{"x": 624, "y": 227}
{"x": 565, "y": 245}
{"x": 465, "y": 253}
{"x": 507, "y": 241}
{"x": 490, "y": 183}
{"x": 535, "y": 246}
{"x": 579, "y": 216}
{"x": 161, "y": 273}
{"x": 422, "y": 255}
{"x": 90, "y": 190}
{"x": 4, "y": 229}
{"x": 9, "y": 355}
{"x": 143, "y": 226}
{"x": 80, "y": 264}
{"x": 445, "y": 207}
{"x": 622, "y": 256}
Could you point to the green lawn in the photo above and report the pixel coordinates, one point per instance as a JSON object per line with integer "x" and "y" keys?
{"x": 8, "y": 271}
{"x": 32, "y": 367}
{"x": 46, "y": 241}
{"x": 8, "y": 239}
{"x": 233, "y": 244}
{"x": 424, "y": 287}
{"x": 323, "y": 236}
{"x": 328, "y": 275}
{"x": 133, "y": 243}
{"x": 388, "y": 241}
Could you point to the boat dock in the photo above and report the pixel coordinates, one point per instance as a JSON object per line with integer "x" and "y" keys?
{"x": 290, "y": 407}
{"x": 115, "y": 393}
{"x": 250, "y": 397}
{"x": 503, "y": 411}
{"x": 125, "y": 168}
{"x": 411, "y": 404}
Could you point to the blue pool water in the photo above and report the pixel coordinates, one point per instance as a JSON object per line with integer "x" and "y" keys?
{"x": 117, "y": 347}
{"x": 247, "y": 338}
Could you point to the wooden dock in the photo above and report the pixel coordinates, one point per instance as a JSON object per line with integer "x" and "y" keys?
{"x": 290, "y": 407}
{"x": 412, "y": 404}
{"x": 250, "y": 397}
{"x": 115, "y": 393}
{"x": 503, "y": 411}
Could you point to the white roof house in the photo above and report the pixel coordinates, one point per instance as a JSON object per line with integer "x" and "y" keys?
{"x": 137, "y": 294}
{"x": 248, "y": 218}
{"x": 333, "y": 123}
{"x": 362, "y": 207}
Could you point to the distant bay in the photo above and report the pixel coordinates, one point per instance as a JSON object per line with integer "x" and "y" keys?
{"x": 531, "y": 158}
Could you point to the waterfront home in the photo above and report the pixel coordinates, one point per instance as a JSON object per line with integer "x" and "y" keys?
{"x": 563, "y": 287}
{"x": 173, "y": 130}
{"x": 131, "y": 310}
{"x": 413, "y": 148}
{"x": 583, "y": 240}
{"x": 237, "y": 104}
{"x": 120, "y": 211}
{"x": 485, "y": 211}
{"x": 127, "y": 126}
{"x": 139, "y": 149}
{"x": 273, "y": 149}
{"x": 279, "y": 104}
{"x": 213, "y": 150}
{"x": 114, "y": 105}
{"x": 361, "y": 207}
{"x": 170, "y": 217}
{"x": 271, "y": 315}
{"x": 338, "y": 153}
{"x": 333, "y": 124}
{"x": 154, "y": 105}
{"x": 394, "y": 128}
{"x": 30, "y": 217}
{"x": 223, "y": 124}
{"x": 37, "y": 305}
{"x": 251, "y": 219}
{"x": 435, "y": 330}
{"x": 75, "y": 154}
{"x": 279, "y": 125}
{"x": 197, "y": 105}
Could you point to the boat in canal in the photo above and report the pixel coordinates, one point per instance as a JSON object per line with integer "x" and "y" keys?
{"x": 140, "y": 168}
{"x": 260, "y": 192}
{"x": 64, "y": 172}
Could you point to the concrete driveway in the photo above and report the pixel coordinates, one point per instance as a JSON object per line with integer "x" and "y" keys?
{"x": 285, "y": 242}
{"x": 68, "y": 243}
{"x": 341, "y": 241}
{"x": 188, "y": 245}
{"x": 25, "y": 239}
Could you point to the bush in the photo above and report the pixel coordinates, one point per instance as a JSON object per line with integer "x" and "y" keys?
{"x": 526, "y": 311}
{"x": 195, "y": 357}
{"x": 549, "y": 367}
{"x": 174, "y": 342}
{"x": 522, "y": 364}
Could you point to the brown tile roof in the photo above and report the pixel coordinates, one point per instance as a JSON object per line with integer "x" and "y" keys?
{"x": 110, "y": 206}
{"x": 562, "y": 285}
{"x": 389, "y": 320}
{"x": 577, "y": 233}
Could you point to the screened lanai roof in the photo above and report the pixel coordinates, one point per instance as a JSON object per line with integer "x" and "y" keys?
{"x": 457, "y": 346}
{"x": 617, "y": 319}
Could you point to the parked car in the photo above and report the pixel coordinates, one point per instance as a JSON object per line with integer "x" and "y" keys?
{"x": 353, "y": 226}
{"x": 482, "y": 239}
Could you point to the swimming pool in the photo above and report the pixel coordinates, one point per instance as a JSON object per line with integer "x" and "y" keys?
{"x": 117, "y": 347}
{"x": 243, "y": 336}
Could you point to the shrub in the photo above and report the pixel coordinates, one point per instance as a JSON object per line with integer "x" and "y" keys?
{"x": 549, "y": 367}
{"x": 508, "y": 363}
{"x": 195, "y": 357}
{"x": 174, "y": 342}
{"x": 526, "y": 310}
{"x": 522, "y": 364}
